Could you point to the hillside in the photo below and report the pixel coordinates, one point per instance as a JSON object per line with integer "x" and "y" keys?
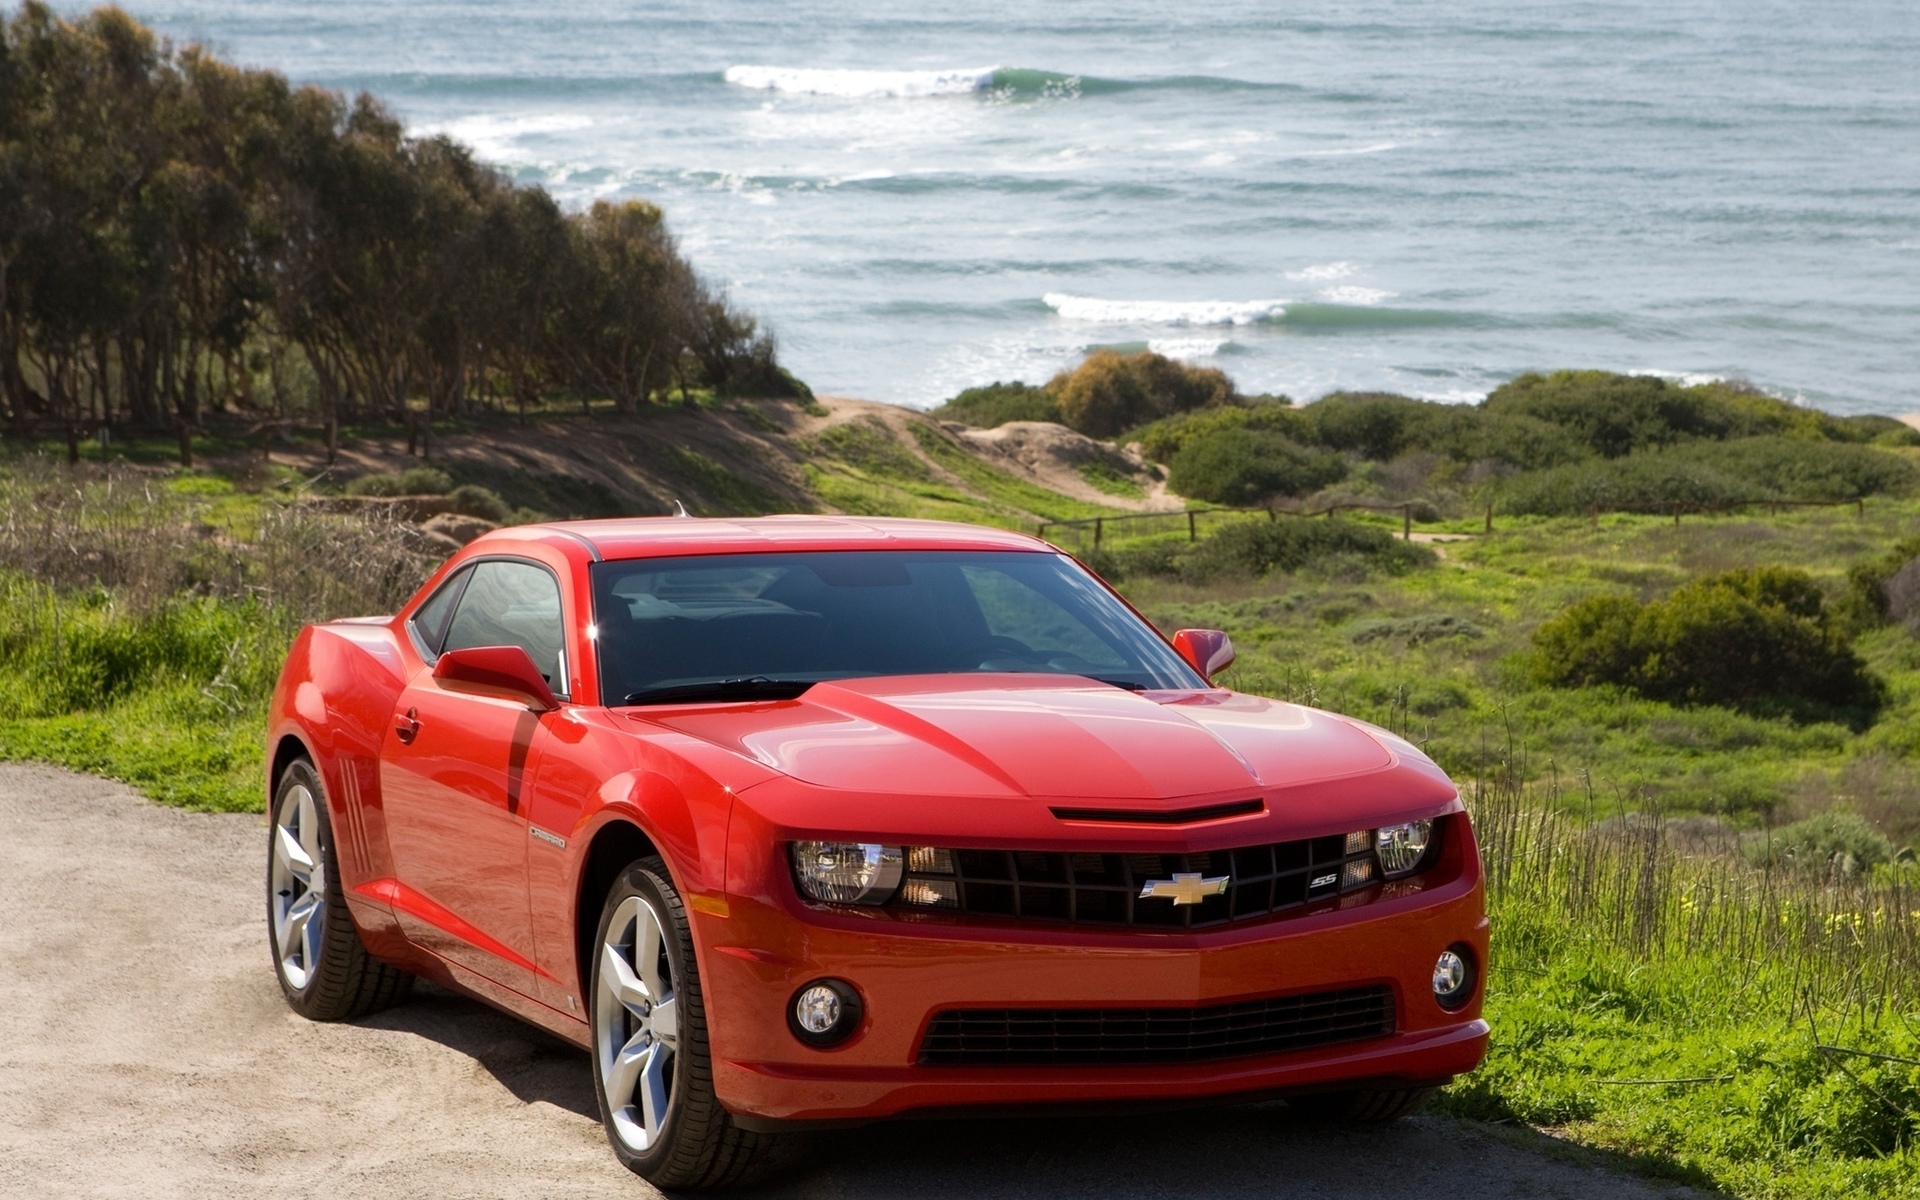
{"x": 737, "y": 457}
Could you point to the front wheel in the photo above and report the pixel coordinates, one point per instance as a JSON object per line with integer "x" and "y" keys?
{"x": 653, "y": 1075}
{"x": 324, "y": 969}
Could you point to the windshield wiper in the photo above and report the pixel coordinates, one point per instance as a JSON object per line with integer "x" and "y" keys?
{"x": 753, "y": 687}
{"x": 1131, "y": 685}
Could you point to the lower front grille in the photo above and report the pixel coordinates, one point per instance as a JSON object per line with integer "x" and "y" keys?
{"x": 978, "y": 1037}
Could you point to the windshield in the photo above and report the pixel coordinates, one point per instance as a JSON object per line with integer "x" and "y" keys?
{"x": 743, "y": 626}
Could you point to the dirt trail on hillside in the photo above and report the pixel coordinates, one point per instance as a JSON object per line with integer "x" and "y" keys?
{"x": 145, "y": 1052}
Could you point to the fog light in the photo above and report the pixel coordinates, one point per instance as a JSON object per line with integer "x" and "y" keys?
{"x": 1453, "y": 977}
{"x": 824, "y": 1013}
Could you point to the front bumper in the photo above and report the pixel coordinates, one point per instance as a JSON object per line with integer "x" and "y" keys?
{"x": 767, "y": 946}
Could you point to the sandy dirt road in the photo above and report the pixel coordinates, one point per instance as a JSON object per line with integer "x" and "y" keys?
{"x": 145, "y": 1052}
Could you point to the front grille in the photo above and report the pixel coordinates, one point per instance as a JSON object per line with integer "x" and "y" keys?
{"x": 1104, "y": 889}
{"x": 980, "y": 1037}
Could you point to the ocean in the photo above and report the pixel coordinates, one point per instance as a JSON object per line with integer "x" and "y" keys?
{"x": 1422, "y": 197}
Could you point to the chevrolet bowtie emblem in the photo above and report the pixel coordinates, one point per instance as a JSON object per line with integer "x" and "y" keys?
{"x": 1184, "y": 888}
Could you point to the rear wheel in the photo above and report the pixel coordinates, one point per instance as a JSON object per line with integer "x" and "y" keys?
{"x": 323, "y": 967}
{"x": 651, "y": 1068}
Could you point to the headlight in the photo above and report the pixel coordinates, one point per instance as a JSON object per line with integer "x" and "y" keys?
{"x": 1401, "y": 847}
{"x": 846, "y": 872}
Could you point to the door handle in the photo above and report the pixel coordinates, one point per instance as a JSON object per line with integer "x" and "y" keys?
{"x": 405, "y": 728}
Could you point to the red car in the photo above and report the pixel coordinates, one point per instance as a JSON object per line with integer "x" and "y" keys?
{"x": 800, "y": 821}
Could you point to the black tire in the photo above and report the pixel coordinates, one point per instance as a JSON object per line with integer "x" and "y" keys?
{"x": 336, "y": 979}
{"x": 1370, "y": 1106}
{"x": 697, "y": 1145}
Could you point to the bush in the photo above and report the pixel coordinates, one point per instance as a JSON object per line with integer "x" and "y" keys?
{"x": 1884, "y": 589}
{"x": 994, "y": 404}
{"x": 1749, "y": 638}
{"x": 1830, "y": 843}
{"x": 1260, "y": 547}
{"x": 1248, "y": 467}
{"x": 472, "y": 500}
{"x": 1112, "y": 392}
{"x": 1618, "y": 414}
{"x": 1251, "y": 549}
{"x": 1162, "y": 439}
{"x": 1710, "y": 473}
{"x": 414, "y": 481}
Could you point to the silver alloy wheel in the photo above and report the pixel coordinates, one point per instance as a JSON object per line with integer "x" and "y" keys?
{"x": 637, "y": 1023}
{"x": 299, "y": 883}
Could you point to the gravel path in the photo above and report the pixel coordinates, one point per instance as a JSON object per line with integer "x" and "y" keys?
{"x": 145, "y": 1052}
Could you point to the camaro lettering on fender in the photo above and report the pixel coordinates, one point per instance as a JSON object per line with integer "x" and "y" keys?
{"x": 1186, "y": 887}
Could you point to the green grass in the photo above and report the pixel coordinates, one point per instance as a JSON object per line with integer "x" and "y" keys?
{"x": 1721, "y": 1026}
{"x": 1113, "y": 483}
{"x": 1002, "y": 492}
{"x": 1623, "y": 955}
{"x": 1316, "y": 637}
{"x": 172, "y": 700}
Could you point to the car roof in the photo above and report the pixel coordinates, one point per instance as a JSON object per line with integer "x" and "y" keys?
{"x": 654, "y": 537}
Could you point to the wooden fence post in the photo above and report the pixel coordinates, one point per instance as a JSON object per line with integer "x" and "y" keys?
{"x": 1097, "y": 521}
{"x": 1406, "y": 522}
{"x": 1193, "y": 534}
{"x": 1489, "y": 516}
{"x": 1676, "y": 514}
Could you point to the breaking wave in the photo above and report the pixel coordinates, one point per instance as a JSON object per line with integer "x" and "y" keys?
{"x": 834, "y": 81}
{"x": 1164, "y": 312}
{"x": 1022, "y": 82}
{"x": 1307, "y": 317}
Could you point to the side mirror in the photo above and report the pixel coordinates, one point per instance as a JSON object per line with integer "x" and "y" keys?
{"x": 1207, "y": 651}
{"x": 500, "y": 669}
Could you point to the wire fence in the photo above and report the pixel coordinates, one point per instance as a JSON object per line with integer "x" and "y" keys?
{"x": 1092, "y": 532}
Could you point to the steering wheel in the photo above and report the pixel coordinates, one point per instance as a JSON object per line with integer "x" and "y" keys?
{"x": 1006, "y": 654}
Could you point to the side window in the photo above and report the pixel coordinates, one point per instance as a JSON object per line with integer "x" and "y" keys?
{"x": 430, "y": 622}
{"x": 513, "y": 604}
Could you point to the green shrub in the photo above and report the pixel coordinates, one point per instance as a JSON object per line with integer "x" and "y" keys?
{"x": 1870, "y": 598}
{"x": 1711, "y": 473}
{"x": 1468, "y": 434}
{"x": 1832, "y": 842}
{"x": 1619, "y": 414}
{"x": 1415, "y": 631}
{"x": 1111, "y": 392}
{"x": 1249, "y": 467}
{"x": 470, "y": 499}
{"x": 1162, "y": 439}
{"x": 1260, "y": 547}
{"x": 414, "y": 481}
{"x": 994, "y": 404}
{"x": 1374, "y": 425}
{"x": 1757, "y": 637}
{"x": 1250, "y": 549}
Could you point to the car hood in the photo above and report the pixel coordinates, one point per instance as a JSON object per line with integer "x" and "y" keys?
{"x": 1043, "y": 737}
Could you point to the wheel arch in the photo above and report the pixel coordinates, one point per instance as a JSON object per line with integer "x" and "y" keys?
{"x": 285, "y": 751}
{"x": 615, "y": 846}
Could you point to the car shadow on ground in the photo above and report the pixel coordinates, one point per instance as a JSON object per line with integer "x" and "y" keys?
{"x": 1265, "y": 1151}
{"x": 529, "y": 1062}
{"x": 1207, "y": 1154}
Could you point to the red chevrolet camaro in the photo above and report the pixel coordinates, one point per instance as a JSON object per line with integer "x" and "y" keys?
{"x": 799, "y": 821}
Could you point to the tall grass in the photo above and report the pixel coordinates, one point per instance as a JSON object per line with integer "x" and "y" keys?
{"x": 141, "y": 640}
{"x": 1738, "y": 1026}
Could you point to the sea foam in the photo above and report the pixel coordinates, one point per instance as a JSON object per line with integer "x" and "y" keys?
{"x": 1164, "y": 312}
{"x": 836, "y": 81}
